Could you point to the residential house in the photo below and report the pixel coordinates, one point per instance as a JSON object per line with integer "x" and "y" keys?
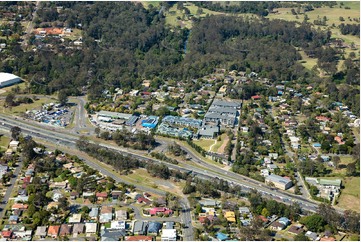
{"x": 53, "y": 231}
{"x": 230, "y": 216}
{"x": 142, "y": 199}
{"x": 121, "y": 215}
{"x": 296, "y": 230}
{"x": 19, "y": 206}
{"x": 312, "y": 235}
{"x": 140, "y": 227}
{"x": 52, "y": 205}
{"x": 6, "y": 234}
{"x": 244, "y": 210}
{"x": 13, "y": 219}
{"x": 153, "y": 228}
{"x": 14, "y": 145}
{"x": 221, "y": 237}
{"x": 88, "y": 194}
{"x": 93, "y": 214}
{"x": 276, "y": 225}
{"x": 56, "y": 196}
{"x": 116, "y": 194}
{"x": 161, "y": 210}
{"x": 169, "y": 235}
{"x": 74, "y": 195}
{"x": 91, "y": 229}
{"x": 169, "y": 225}
{"x": 78, "y": 229}
{"x": 75, "y": 218}
{"x": 58, "y": 185}
{"x": 112, "y": 235}
{"x": 114, "y": 225}
{"x": 101, "y": 196}
{"x": 41, "y": 232}
{"x": 65, "y": 230}
{"x": 106, "y": 214}
{"x": 139, "y": 238}
{"x": 210, "y": 203}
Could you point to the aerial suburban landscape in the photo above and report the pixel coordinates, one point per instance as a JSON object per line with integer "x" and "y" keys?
{"x": 180, "y": 121}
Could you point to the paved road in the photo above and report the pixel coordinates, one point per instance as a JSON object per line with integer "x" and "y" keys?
{"x": 30, "y": 26}
{"x": 69, "y": 141}
{"x": 10, "y": 188}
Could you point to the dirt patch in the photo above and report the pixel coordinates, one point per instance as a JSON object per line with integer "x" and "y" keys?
{"x": 349, "y": 202}
{"x": 223, "y": 146}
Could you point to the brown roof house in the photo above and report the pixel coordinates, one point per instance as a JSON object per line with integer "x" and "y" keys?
{"x": 65, "y": 230}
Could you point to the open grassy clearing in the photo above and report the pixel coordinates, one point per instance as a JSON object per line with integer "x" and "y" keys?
{"x": 22, "y": 108}
{"x": 142, "y": 177}
{"x": 306, "y": 61}
{"x": 216, "y": 147}
{"x": 4, "y": 91}
{"x": 4, "y": 142}
{"x": 350, "y": 196}
{"x": 204, "y": 143}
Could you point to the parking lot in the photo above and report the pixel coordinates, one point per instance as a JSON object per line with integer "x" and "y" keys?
{"x": 52, "y": 114}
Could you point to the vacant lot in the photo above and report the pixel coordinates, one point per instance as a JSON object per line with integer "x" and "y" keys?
{"x": 22, "y": 108}
{"x": 350, "y": 196}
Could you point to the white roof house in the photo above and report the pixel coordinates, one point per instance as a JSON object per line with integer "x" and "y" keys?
{"x": 169, "y": 235}
{"x": 7, "y": 79}
{"x": 90, "y": 228}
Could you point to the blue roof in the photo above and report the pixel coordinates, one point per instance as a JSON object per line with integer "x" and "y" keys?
{"x": 222, "y": 236}
{"x": 284, "y": 219}
{"x": 154, "y": 227}
{"x": 316, "y": 145}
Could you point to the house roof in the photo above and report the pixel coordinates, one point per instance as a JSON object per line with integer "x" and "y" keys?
{"x": 65, "y": 229}
{"x": 41, "y": 231}
{"x": 6, "y": 234}
{"x": 101, "y": 194}
{"x": 106, "y": 209}
{"x": 108, "y": 235}
{"x": 139, "y": 238}
{"x": 295, "y": 229}
{"x": 53, "y": 229}
{"x": 221, "y": 236}
{"x": 277, "y": 224}
{"x": 90, "y": 227}
{"x": 19, "y": 206}
{"x": 154, "y": 227}
{"x": 78, "y": 228}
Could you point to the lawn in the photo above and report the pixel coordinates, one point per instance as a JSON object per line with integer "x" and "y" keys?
{"x": 350, "y": 196}
{"x": 205, "y": 143}
{"x": 4, "y": 142}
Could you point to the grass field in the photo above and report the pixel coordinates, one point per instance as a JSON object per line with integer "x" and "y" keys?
{"x": 4, "y": 91}
{"x": 306, "y": 61}
{"x": 350, "y": 196}
{"x": 4, "y": 142}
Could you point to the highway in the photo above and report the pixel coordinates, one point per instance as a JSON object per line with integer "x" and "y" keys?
{"x": 61, "y": 137}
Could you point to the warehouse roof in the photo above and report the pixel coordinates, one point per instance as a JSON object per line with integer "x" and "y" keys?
{"x": 114, "y": 115}
{"x": 279, "y": 179}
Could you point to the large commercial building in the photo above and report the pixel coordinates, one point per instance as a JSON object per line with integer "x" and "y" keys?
{"x": 223, "y": 112}
{"x": 7, "y": 79}
{"x": 279, "y": 181}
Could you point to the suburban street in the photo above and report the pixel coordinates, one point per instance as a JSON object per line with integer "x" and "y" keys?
{"x": 10, "y": 188}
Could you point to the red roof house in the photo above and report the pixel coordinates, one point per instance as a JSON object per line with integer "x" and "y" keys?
{"x": 256, "y": 97}
{"x": 6, "y": 234}
{"x": 101, "y": 195}
{"x": 155, "y": 211}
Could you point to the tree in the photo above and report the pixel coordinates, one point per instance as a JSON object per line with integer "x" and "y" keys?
{"x": 265, "y": 212}
{"x": 10, "y": 100}
{"x": 97, "y": 131}
{"x": 15, "y": 132}
{"x": 336, "y": 161}
{"x": 300, "y": 237}
{"x": 314, "y": 222}
{"x": 63, "y": 97}
{"x": 351, "y": 169}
